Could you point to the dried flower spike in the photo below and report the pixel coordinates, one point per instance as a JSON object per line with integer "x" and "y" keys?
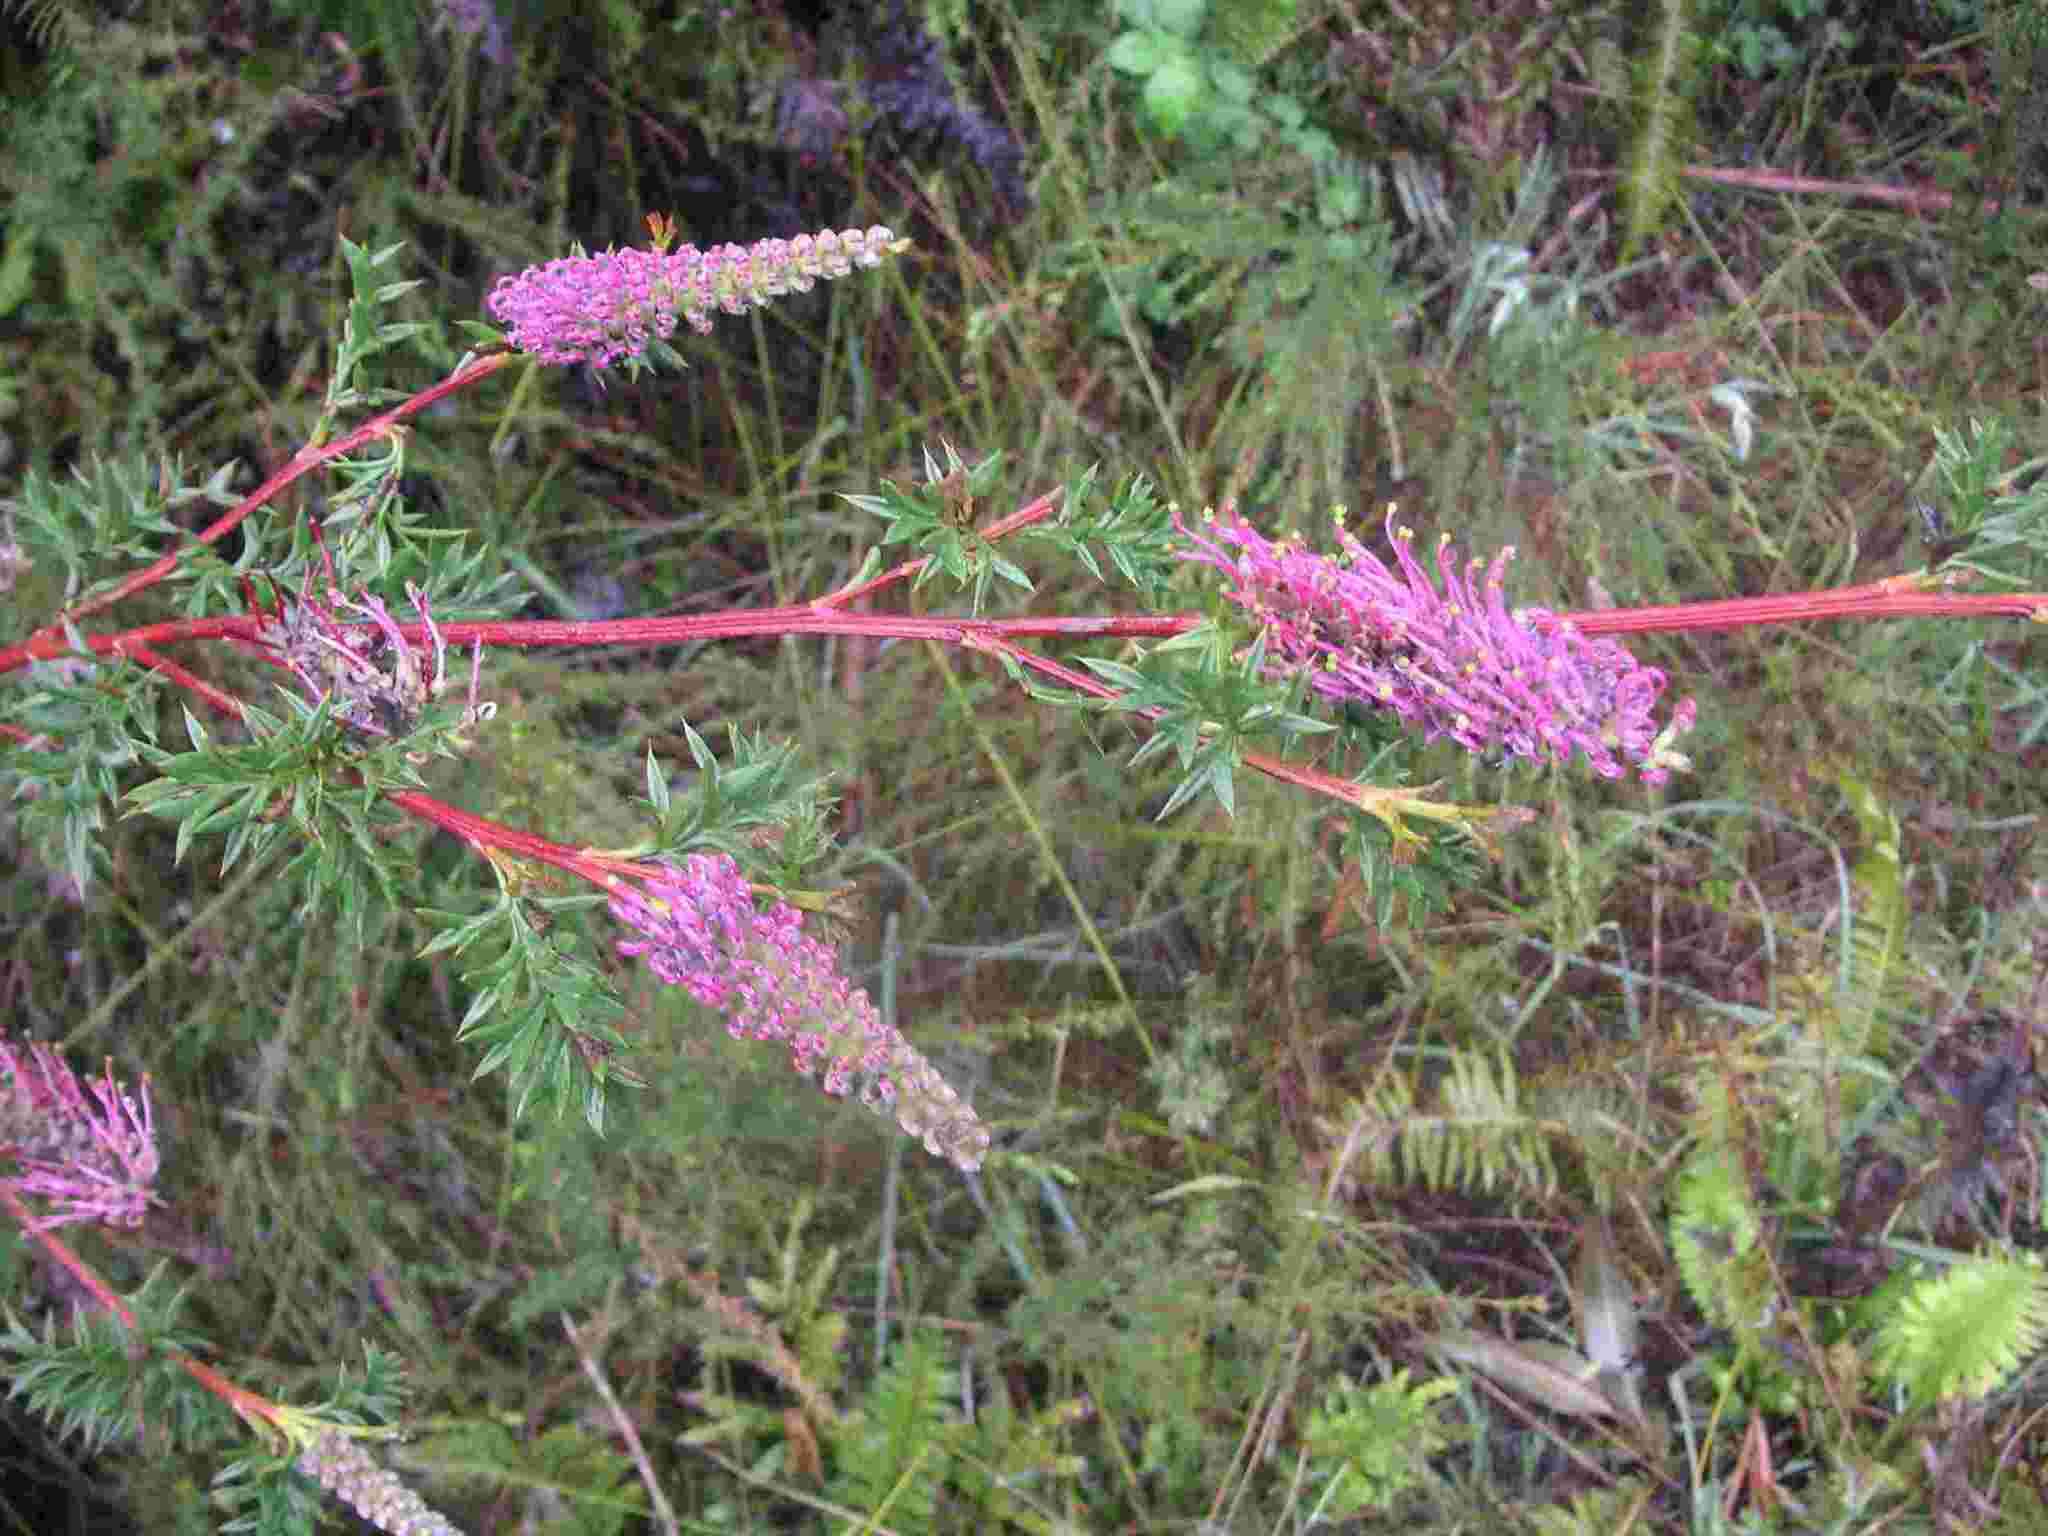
{"x": 92, "y": 1159}
{"x": 701, "y": 931}
{"x": 380, "y": 684}
{"x": 351, "y": 1474}
{"x": 599, "y": 309}
{"x": 1457, "y": 662}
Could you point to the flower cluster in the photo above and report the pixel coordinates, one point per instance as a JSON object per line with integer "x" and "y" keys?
{"x": 351, "y": 1474}
{"x": 809, "y": 118}
{"x": 476, "y": 18}
{"x": 1456, "y": 661}
{"x": 93, "y": 1159}
{"x": 701, "y": 931}
{"x": 599, "y": 309}
{"x": 908, "y": 88}
{"x": 380, "y": 685}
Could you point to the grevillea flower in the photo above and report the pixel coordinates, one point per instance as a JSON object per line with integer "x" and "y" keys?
{"x": 1455, "y": 661}
{"x": 341, "y": 1466}
{"x": 379, "y": 683}
{"x": 476, "y": 18}
{"x": 92, "y": 1158}
{"x": 701, "y": 931}
{"x": 599, "y": 309}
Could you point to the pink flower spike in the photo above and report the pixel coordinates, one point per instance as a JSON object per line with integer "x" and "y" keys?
{"x": 1446, "y": 654}
{"x": 93, "y": 1160}
{"x": 699, "y": 929}
{"x": 601, "y": 309}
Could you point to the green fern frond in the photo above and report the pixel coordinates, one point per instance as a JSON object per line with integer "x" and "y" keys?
{"x": 1480, "y": 1138}
{"x": 1594, "y": 1513}
{"x": 1371, "y": 1442}
{"x": 1878, "y": 939}
{"x": 1850, "y": 981}
{"x": 1714, "y": 1233}
{"x": 1008, "y": 1467}
{"x": 1664, "y": 131}
{"x": 891, "y": 1458}
{"x": 1590, "y": 1099}
{"x": 1099, "y": 1021}
{"x": 49, "y": 22}
{"x": 1962, "y": 1333}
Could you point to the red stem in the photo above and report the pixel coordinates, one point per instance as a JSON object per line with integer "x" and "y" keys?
{"x": 306, "y": 459}
{"x": 1903, "y": 597}
{"x": 247, "y": 1404}
{"x": 1919, "y": 199}
{"x": 1899, "y": 598}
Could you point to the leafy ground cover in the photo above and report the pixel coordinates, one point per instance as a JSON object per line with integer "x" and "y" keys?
{"x": 1507, "y": 1147}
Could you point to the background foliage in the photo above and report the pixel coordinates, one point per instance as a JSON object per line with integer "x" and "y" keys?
{"x": 1682, "y": 1174}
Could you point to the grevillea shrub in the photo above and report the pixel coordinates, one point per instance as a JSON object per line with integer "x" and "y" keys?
{"x": 365, "y": 619}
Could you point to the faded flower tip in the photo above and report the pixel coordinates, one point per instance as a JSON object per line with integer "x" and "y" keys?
{"x": 92, "y": 1158}
{"x": 699, "y": 929}
{"x": 341, "y": 1466}
{"x": 601, "y": 309}
{"x": 1451, "y": 658}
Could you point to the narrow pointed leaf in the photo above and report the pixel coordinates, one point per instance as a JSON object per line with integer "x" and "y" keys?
{"x": 1558, "y": 1378}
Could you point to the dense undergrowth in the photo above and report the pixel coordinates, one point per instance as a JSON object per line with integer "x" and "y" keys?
{"x": 1675, "y": 1168}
